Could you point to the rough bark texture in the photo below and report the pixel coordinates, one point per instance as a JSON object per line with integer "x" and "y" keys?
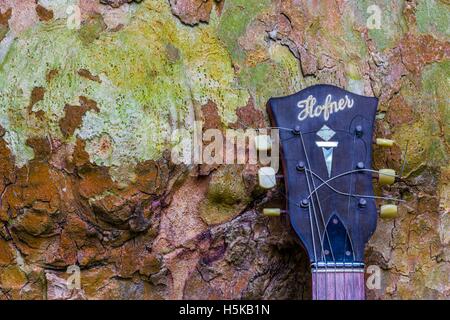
{"x": 86, "y": 111}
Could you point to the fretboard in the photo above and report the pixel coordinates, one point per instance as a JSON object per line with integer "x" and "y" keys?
{"x": 338, "y": 284}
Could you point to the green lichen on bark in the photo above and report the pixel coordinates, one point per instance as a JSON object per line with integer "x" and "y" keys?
{"x": 392, "y": 23}
{"x": 281, "y": 70}
{"x": 143, "y": 94}
{"x": 428, "y": 135}
{"x": 433, "y": 16}
{"x": 236, "y": 17}
{"x": 267, "y": 61}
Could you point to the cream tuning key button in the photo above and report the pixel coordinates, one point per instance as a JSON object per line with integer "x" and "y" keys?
{"x": 272, "y": 212}
{"x": 386, "y": 176}
{"x": 388, "y": 211}
{"x": 384, "y": 142}
{"x": 267, "y": 177}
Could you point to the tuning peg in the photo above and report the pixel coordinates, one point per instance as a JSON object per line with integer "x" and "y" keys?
{"x": 384, "y": 142}
{"x": 386, "y": 176}
{"x": 388, "y": 211}
{"x": 263, "y": 142}
{"x": 272, "y": 212}
{"x": 266, "y": 177}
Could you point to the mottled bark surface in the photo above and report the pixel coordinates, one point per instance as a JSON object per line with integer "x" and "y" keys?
{"x": 91, "y": 92}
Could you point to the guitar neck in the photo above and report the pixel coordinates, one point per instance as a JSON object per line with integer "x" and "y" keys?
{"x": 338, "y": 284}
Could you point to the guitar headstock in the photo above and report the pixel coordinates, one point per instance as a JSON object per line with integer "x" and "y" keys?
{"x": 325, "y": 136}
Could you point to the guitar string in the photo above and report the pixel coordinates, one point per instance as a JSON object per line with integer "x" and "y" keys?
{"x": 325, "y": 182}
{"x": 345, "y": 240}
{"x": 325, "y": 230}
{"x": 345, "y": 287}
{"x": 348, "y": 212}
{"x": 320, "y": 210}
{"x": 314, "y": 275}
{"x": 323, "y": 221}
{"x": 351, "y": 186}
{"x": 316, "y": 223}
{"x": 347, "y": 234}
{"x": 306, "y": 132}
{"x": 345, "y": 243}
{"x": 321, "y": 243}
{"x": 359, "y": 170}
{"x": 314, "y": 238}
{"x": 314, "y": 248}
{"x": 350, "y": 194}
{"x": 310, "y": 219}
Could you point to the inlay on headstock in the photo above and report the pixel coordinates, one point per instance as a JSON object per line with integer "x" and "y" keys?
{"x": 326, "y": 153}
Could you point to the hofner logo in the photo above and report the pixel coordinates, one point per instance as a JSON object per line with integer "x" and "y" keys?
{"x": 310, "y": 109}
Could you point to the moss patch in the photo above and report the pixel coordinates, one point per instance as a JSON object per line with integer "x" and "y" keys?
{"x": 227, "y": 195}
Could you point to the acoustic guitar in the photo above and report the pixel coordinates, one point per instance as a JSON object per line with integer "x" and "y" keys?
{"x": 325, "y": 136}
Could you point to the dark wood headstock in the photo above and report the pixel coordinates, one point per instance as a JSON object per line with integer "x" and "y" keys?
{"x": 326, "y": 146}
